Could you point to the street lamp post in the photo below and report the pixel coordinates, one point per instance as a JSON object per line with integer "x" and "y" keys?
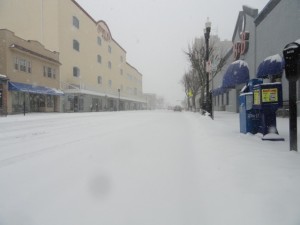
{"x": 206, "y": 35}
{"x": 119, "y": 99}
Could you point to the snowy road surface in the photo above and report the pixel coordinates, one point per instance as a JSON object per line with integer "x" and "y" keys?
{"x": 144, "y": 168}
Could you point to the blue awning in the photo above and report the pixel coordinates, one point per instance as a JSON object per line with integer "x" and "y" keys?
{"x": 272, "y": 66}
{"x": 34, "y": 89}
{"x": 218, "y": 91}
{"x": 236, "y": 73}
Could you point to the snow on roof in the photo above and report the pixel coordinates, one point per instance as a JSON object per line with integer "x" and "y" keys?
{"x": 276, "y": 58}
{"x": 241, "y": 63}
{"x": 3, "y": 76}
{"x": 298, "y": 41}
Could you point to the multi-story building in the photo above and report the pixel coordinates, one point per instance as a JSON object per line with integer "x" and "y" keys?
{"x": 30, "y": 76}
{"x": 258, "y": 36}
{"x": 94, "y": 72}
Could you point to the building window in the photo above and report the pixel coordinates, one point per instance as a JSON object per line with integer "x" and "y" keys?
{"x": 50, "y": 101}
{"x": 109, "y": 64}
{"x": 49, "y": 72}
{"x": 109, "y": 49}
{"x": 99, "y": 40}
{"x": 16, "y": 64}
{"x": 54, "y": 73}
{"x": 76, "y": 45}
{"x": 99, "y": 80}
{"x": 75, "y": 22}
{"x": 121, "y": 71}
{"x": 22, "y": 65}
{"x": 121, "y": 58}
{"x": 227, "y": 98}
{"x": 110, "y": 83}
{"x": 99, "y": 59}
{"x": 28, "y": 67}
{"x": 76, "y": 71}
{"x": 81, "y": 103}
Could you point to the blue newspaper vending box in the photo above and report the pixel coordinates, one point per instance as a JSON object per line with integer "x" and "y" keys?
{"x": 267, "y": 98}
{"x": 249, "y": 117}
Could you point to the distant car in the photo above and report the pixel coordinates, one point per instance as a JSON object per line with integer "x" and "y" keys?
{"x": 177, "y": 108}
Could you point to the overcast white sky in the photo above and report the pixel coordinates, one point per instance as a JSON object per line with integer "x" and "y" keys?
{"x": 155, "y": 33}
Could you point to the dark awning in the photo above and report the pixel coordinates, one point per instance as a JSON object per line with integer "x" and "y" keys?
{"x": 237, "y": 73}
{"x": 15, "y": 86}
{"x": 272, "y": 66}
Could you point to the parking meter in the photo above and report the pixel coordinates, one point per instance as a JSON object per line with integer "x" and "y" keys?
{"x": 291, "y": 54}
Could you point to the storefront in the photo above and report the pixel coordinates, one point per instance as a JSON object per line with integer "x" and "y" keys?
{"x": 30, "y": 98}
{"x": 258, "y": 37}
{"x": 3, "y": 95}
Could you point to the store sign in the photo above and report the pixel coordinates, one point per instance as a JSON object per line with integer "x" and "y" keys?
{"x": 269, "y": 95}
{"x": 104, "y": 31}
{"x": 241, "y": 47}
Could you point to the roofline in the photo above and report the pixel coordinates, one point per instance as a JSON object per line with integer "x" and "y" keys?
{"x": 134, "y": 68}
{"x": 241, "y": 13}
{"x": 250, "y": 11}
{"x": 96, "y": 22}
{"x": 23, "y": 49}
{"x": 247, "y": 10}
{"x": 265, "y": 11}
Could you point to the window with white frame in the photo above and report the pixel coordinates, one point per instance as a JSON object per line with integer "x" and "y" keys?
{"x": 22, "y": 65}
{"x": 109, "y": 64}
{"x": 49, "y": 72}
{"x": 110, "y": 83}
{"x": 121, "y": 71}
{"x": 109, "y": 49}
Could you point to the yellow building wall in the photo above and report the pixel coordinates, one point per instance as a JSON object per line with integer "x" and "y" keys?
{"x": 51, "y": 23}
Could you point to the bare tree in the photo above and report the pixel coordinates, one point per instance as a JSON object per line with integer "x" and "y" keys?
{"x": 191, "y": 84}
{"x": 196, "y": 55}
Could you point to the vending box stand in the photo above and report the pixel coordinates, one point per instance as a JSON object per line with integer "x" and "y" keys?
{"x": 267, "y": 98}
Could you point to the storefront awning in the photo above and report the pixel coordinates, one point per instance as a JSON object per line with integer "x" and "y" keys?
{"x": 237, "y": 73}
{"x": 34, "y": 89}
{"x": 218, "y": 91}
{"x": 271, "y": 67}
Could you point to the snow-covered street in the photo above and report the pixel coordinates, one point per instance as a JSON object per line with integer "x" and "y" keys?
{"x": 144, "y": 168}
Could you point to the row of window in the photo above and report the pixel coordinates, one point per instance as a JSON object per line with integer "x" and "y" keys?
{"x": 76, "y": 46}
{"x": 76, "y": 24}
{"x": 25, "y": 66}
